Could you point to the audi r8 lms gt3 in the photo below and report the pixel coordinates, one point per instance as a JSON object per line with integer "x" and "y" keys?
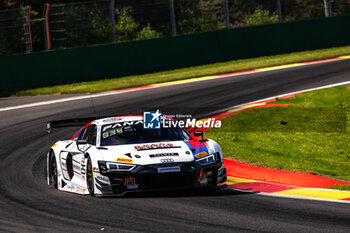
{"x": 113, "y": 156}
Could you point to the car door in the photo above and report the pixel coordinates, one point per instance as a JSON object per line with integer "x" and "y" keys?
{"x": 73, "y": 159}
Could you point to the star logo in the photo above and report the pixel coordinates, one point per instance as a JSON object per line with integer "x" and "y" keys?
{"x": 151, "y": 120}
{"x": 156, "y": 115}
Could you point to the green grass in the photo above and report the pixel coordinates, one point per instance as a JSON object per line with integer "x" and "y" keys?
{"x": 186, "y": 73}
{"x": 341, "y": 187}
{"x": 315, "y": 138}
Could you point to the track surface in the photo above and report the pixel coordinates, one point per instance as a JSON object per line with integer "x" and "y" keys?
{"x": 27, "y": 204}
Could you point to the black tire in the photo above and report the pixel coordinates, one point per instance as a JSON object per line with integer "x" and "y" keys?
{"x": 53, "y": 171}
{"x": 90, "y": 182}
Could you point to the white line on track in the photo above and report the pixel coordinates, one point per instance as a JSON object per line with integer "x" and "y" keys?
{"x": 65, "y": 100}
{"x": 283, "y": 95}
{"x": 110, "y": 93}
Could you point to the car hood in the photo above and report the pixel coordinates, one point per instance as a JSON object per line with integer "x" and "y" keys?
{"x": 154, "y": 153}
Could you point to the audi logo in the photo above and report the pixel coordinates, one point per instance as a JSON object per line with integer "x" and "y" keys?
{"x": 167, "y": 160}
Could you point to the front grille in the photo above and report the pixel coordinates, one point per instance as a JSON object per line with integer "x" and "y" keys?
{"x": 167, "y": 180}
{"x": 148, "y": 178}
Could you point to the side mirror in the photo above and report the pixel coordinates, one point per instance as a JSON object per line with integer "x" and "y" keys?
{"x": 81, "y": 142}
{"x": 199, "y": 133}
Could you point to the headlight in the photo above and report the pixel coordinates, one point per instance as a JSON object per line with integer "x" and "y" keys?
{"x": 207, "y": 160}
{"x": 111, "y": 166}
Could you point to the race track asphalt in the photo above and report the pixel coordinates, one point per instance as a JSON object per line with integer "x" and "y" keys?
{"x": 27, "y": 204}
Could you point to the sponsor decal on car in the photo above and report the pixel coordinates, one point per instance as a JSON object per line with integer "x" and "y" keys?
{"x": 155, "y": 146}
{"x": 76, "y": 167}
{"x": 130, "y": 183}
{"x": 200, "y": 155}
{"x": 123, "y": 160}
{"x": 163, "y": 155}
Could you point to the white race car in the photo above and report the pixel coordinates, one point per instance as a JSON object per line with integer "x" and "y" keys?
{"x": 113, "y": 156}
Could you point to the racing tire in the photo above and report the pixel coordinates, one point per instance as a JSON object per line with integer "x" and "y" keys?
{"x": 53, "y": 177}
{"x": 90, "y": 182}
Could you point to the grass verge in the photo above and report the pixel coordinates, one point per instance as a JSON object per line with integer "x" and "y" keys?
{"x": 186, "y": 73}
{"x": 312, "y": 135}
{"x": 341, "y": 187}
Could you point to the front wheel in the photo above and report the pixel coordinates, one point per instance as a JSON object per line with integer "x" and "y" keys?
{"x": 90, "y": 177}
{"x": 53, "y": 171}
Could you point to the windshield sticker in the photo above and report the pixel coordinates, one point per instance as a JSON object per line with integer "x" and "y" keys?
{"x": 127, "y": 123}
{"x": 105, "y": 135}
{"x": 119, "y": 131}
{"x": 133, "y": 133}
{"x": 107, "y": 127}
{"x": 112, "y": 132}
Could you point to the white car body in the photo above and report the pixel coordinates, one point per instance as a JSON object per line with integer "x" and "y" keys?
{"x": 132, "y": 167}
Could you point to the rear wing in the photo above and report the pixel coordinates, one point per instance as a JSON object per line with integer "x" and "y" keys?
{"x": 70, "y": 122}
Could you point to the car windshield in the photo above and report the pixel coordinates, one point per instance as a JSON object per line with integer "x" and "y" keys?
{"x": 133, "y": 132}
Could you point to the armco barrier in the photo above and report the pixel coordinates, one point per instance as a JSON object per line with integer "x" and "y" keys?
{"x": 136, "y": 57}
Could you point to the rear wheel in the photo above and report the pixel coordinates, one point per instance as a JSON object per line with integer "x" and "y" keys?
{"x": 90, "y": 177}
{"x": 53, "y": 171}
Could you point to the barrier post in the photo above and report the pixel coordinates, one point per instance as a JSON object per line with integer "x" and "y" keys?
{"x": 227, "y": 14}
{"x": 172, "y": 17}
{"x": 111, "y": 14}
{"x": 279, "y": 10}
{"x": 27, "y": 29}
{"x": 327, "y": 7}
{"x": 46, "y": 26}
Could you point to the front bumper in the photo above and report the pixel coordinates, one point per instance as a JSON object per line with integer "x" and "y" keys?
{"x": 150, "y": 178}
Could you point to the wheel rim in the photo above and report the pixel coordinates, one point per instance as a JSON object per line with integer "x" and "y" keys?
{"x": 90, "y": 177}
{"x": 53, "y": 172}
